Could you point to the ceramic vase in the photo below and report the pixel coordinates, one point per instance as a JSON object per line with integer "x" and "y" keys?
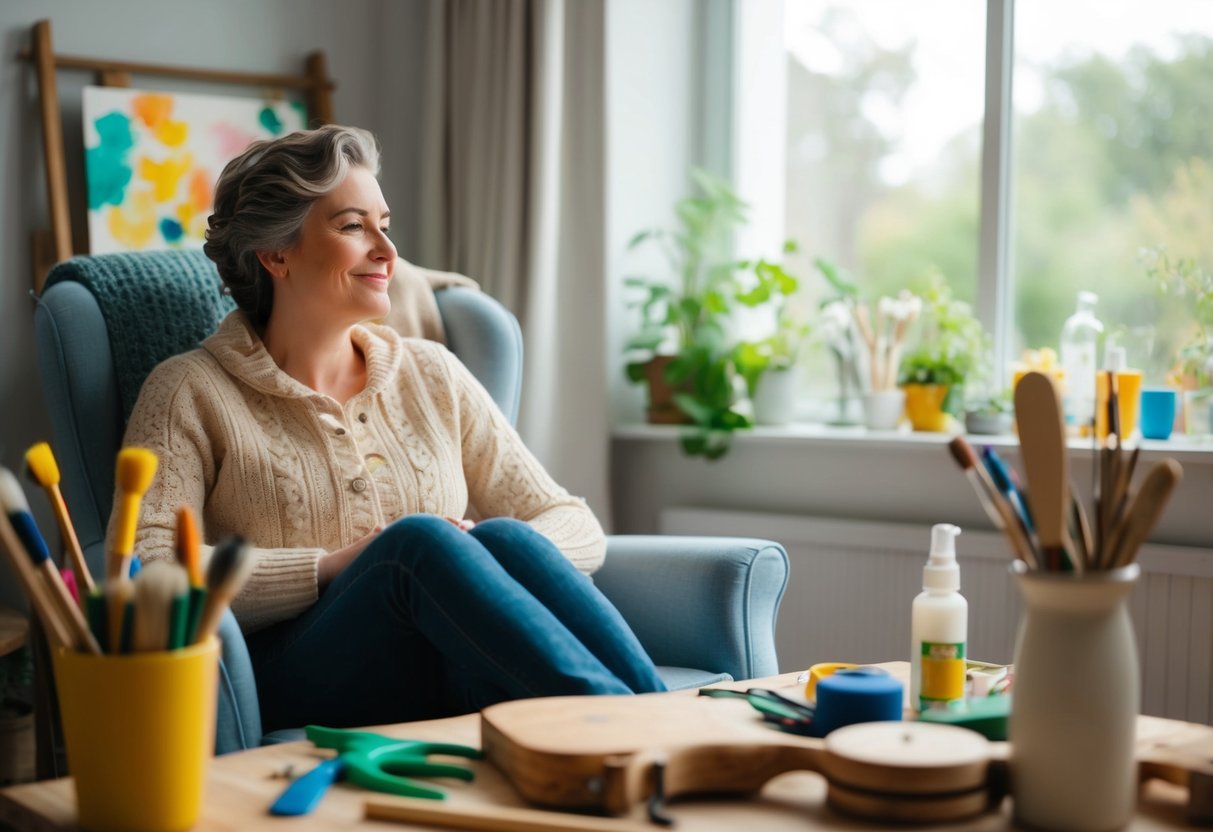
{"x": 775, "y": 397}
{"x": 1077, "y": 691}
{"x": 883, "y": 409}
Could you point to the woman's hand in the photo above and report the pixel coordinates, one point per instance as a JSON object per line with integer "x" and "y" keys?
{"x": 330, "y": 565}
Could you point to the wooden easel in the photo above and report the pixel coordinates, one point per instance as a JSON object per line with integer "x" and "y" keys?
{"x": 49, "y": 247}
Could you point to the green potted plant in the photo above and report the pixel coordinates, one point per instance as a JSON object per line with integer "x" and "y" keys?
{"x": 767, "y": 363}
{"x": 1186, "y": 279}
{"x": 989, "y": 414}
{"x": 950, "y": 349}
{"x": 682, "y": 348}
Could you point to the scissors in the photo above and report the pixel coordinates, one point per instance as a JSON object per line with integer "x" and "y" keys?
{"x": 374, "y": 762}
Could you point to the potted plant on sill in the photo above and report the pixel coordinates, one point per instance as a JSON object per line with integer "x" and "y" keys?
{"x": 950, "y": 348}
{"x": 767, "y": 364}
{"x": 989, "y": 415}
{"x": 694, "y": 379}
{"x": 1185, "y": 278}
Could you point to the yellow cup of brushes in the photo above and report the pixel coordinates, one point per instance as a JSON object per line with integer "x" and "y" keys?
{"x": 140, "y": 731}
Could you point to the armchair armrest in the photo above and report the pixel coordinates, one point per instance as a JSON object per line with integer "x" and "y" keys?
{"x": 238, "y": 717}
{"x": 702, "y": 602}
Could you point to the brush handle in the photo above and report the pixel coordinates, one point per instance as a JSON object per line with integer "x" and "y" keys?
{"x": 125, "y": 524}
{"x": 212, "y": 611}
{"x": 57, "y": 631}
{"x": 70, "y": 541}
{"x": 35, "y": 546}
{"x": 82, "y": 638}
{"x": 1144, "y": 512}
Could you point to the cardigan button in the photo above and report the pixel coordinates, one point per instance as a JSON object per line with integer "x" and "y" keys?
{"x": 341, "y": 431}
{"x": 359, "y": 485}
{"x": 362, "y": 417}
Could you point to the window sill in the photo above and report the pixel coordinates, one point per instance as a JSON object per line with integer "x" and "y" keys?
{"x": 1180, "y": 447}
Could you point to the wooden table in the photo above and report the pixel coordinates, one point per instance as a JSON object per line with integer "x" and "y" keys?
{"x": 242, "y": 786}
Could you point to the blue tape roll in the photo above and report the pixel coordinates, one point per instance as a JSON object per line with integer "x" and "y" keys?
{"x": 863, "y": 694}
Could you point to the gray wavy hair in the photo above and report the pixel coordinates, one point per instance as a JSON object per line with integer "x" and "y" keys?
{"x": 262, "y": 197}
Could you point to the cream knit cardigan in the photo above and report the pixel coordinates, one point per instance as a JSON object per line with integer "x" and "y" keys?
{"x": 255, "y": 452}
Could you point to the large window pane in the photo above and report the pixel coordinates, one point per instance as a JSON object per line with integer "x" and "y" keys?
{"x": 1113, "y": 153}
{"x": 885, "y": 103}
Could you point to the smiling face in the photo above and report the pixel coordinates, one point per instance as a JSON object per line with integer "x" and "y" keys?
{"x": 339, "y": 269}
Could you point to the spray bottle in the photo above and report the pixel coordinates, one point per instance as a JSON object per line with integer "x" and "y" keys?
{"x": 939, "y": 625}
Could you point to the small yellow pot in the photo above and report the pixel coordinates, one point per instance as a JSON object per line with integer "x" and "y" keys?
{"x": 924, "y": 406}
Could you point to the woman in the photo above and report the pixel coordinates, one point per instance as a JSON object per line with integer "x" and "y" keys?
{"x": 350, "y": 457}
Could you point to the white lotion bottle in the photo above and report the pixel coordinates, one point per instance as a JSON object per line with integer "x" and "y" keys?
{"x": 939, "y": 626}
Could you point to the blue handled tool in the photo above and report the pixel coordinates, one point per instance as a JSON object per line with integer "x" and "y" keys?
{"x": 1000, "y": 473}
{"x": 304, "y": 792}
{"x": 374, "y": 762}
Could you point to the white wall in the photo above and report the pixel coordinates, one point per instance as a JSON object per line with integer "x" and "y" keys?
{"x": 373, "y": 48}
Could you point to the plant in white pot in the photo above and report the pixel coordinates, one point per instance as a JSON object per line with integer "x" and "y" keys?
{"x": 683, "y": 349}
{"x": 768, "y": 364}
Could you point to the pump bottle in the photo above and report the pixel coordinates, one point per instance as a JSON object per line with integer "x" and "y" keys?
{"x": 1079, "y": 337}
{"x": 939, "y": 624}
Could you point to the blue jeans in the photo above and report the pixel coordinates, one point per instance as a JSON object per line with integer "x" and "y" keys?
{"x": 431, "y": 621}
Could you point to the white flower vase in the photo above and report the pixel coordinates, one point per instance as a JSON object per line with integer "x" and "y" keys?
{"x": 775, "y": 397}
{"x": 883, "y": 409}
{"x": 1077, "y": 691}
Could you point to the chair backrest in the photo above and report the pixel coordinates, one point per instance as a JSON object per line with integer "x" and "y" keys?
{"x": 104, "y": 322}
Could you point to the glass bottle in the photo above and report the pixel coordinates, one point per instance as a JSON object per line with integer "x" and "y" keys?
{"x": 1079, "y": 340}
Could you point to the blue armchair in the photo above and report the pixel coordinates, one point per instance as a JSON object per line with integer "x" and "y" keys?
{"x": 704, "y": 608}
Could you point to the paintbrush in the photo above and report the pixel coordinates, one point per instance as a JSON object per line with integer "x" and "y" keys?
{"x": 230, "y": 566}
{"x": 16, "y": 507}
{"x": 119, "y": 611}
{"x": 1001, "y": 514}
{"x": 42, "y": 467}
{"x": 1080, "y": 529}
{"x": 1144, "y": 511}
{"x": 160, "y": 598}
{"x": 188, "y": 553}
{"x": 133, "y": 476}
{"x": 35, "y": 588}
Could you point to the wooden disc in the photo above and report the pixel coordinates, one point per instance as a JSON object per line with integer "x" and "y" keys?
{"x": 907, "y": 758}
{"x": 905, "y": 808}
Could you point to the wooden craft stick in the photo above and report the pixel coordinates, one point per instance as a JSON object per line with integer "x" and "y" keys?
{"x": 494, "y": 818}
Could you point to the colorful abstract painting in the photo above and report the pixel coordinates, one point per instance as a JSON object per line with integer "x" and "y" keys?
{"x": 152, "y": 158}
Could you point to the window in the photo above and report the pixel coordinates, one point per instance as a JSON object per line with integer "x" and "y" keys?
{"x": 884, "y": 115}
{"x": 891, "y": 170}
{"x": 1112, "y": 153}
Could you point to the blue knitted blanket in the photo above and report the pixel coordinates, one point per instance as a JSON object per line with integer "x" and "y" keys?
{"x": 146, "y": 323}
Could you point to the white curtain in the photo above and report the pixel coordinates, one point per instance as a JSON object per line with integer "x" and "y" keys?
{"x": 513, "y": 195}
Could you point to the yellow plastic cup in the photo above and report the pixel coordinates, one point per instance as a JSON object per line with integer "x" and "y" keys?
{"x": 140, "y": 731}
{"x": 1128, "y": 402}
